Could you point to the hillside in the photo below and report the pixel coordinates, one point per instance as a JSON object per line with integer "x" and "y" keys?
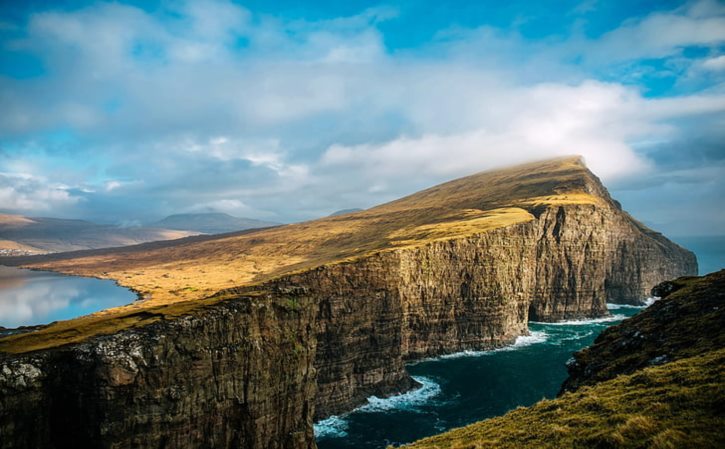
{"x": 196, "y": 269}
{"x": 689, "y": 320}
{"x": 211, "y": 223}
{"x": 656, "y": 380}
{"x": 21, "y": 235}
{"x": 458, "y": 208}
{"x": 274, "y": 328}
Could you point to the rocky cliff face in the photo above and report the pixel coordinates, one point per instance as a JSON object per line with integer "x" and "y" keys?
{"x": 237, "y": 375}
{"x": 655, "y": 380}
{"x": 471, "y": 293}
{"x": 252, "y": 372}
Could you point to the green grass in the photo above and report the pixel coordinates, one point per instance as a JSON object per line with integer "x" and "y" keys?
{"x": 688, "y": 322}
{"x": 677, "y": 405}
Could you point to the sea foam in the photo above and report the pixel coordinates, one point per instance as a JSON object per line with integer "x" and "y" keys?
{"x": 647, "y": 302}
{"x": 604, "y": 319}
{"x": 334, "y": 426}
{"x": 534, "y": 337}
{"x": 406, "y": 401}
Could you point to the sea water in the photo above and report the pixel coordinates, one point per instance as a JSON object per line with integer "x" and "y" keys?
{"x": 462, "y": 388}
{"x": 458, "y": 389}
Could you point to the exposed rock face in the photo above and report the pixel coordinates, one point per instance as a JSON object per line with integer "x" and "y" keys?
{"x": 238, "y": 375}
{"x": 687, "y": 321}
{"x": 655, "y": 380}
{"x": 252, "y": 373}
{"x": 472, "y": 293}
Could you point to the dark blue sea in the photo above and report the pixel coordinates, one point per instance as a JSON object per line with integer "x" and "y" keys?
{"x": 463, "y": 388}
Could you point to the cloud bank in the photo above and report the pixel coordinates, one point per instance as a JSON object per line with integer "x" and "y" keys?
{"x": 136, "y": 113}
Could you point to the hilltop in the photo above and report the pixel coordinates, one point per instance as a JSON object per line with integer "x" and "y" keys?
{"x": 20, "y": 235}
{"x": 173, "y": 276}
{"x": 477, "y": 203}
{"x": 211, "y": 223}
{"x": 274, "y": 328}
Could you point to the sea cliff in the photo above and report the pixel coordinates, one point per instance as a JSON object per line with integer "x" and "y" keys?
{"x": 338, "y": 307}
{"x": 655, "y": 381}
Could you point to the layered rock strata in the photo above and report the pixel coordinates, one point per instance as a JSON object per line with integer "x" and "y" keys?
{"x": 238, "y": 375}
{"x": 252, "y": 370}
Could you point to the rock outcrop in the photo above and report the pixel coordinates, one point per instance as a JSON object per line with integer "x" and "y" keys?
{"x": 453, "y": 268}
{"x": 689, "y": 320}
{"x": 238, "y": 375}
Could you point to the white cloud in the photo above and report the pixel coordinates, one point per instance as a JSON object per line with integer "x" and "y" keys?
{"x": 308, "y": 117}
{"x": 24, "y": 192}
{"x": 716, "y": 64}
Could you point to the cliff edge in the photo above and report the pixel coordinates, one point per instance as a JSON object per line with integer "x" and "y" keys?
{"x": 656, "y": 380}
{"x": 325, "y": 312}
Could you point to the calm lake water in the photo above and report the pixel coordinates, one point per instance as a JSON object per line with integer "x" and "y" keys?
{"x": 40, "y": 297}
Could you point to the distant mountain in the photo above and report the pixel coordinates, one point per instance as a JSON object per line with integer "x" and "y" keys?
{"x": 211, "y": 223}
{"x": 345, "y": 211}
{"x": 20, "y": 235}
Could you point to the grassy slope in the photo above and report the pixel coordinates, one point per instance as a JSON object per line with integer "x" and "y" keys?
{"x": 677, "y": 405}
{"x": 196, "y": 269}
{"x": 625, "y": 400}
{"x": 689, "y": 321}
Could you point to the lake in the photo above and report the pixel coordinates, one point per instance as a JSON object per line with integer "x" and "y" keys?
{"x": 39, "y": 297}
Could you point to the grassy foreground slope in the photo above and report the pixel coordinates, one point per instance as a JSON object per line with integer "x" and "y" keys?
{"x": 677, "y": 405}
{"x": 176, "y": 278}
{"x": 688, "y": 321}
{"x": 656, "y": 380}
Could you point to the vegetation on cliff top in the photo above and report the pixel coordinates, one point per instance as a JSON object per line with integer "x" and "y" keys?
{"x": 689, "y": 320}
{"x": 631, "y": 394}
{"x": 197, "y": 269}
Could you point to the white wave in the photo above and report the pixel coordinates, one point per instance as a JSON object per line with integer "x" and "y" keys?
{"x": 576, "y": 336}
{"x": 334, "y": 426}
{"x": 527, "y": 340}
{"x": 522, "y": 341}
{"x": 647, "y": 302}
{"x": 406, "y": 401}
{"x": 604, "y": 319}
{"x": 611, "y": 306}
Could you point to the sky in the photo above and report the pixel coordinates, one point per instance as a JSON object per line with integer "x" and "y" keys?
{"x": 125, "y": 112}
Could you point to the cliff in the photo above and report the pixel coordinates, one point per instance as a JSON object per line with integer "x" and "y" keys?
{"x": 239, "y": 374}
{"x": 688, "y": 320}
{"x": 655, "y": 380}
{"x": 463, "y": 265}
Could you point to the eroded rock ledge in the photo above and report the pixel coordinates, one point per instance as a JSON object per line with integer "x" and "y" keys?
{"x": 254, "y": 370}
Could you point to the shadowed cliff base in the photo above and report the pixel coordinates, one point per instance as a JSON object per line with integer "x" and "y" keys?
{"x": 337, "y": 305}
{"x": 655, "y": 380}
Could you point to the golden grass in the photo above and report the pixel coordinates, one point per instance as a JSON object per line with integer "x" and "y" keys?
{"x": 669, "y": 406}
{"x": 194, "y": 270}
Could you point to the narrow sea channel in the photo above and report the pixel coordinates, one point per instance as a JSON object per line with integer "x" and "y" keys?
{"x": 462, "y": 388}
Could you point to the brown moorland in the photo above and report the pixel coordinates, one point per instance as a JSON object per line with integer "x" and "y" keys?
{"x": 174, "y": 278}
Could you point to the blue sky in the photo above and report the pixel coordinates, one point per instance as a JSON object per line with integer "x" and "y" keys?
{"x": 125, "y": 112}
